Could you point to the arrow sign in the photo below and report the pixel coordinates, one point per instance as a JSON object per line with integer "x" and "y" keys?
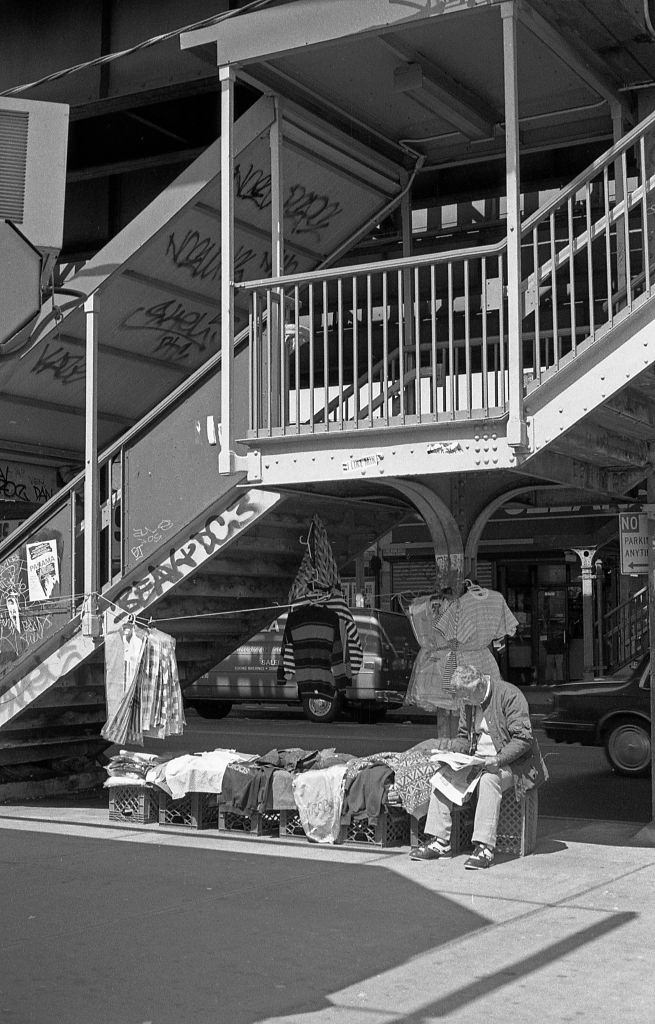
{"x": 633, "y": 535}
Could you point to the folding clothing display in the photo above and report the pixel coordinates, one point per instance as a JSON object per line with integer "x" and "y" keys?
{"x": 427, "y": 684}
{"x": 151, "y": 701}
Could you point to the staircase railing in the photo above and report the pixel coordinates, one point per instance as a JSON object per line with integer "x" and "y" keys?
{"x": 424, "y": 339}
{"x": 26, "y": 622}
{"x": 587, "y": 255}
{"x": 625, "y": 631}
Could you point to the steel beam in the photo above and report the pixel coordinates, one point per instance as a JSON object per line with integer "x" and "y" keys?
{"x": 272, "y": 33}
{"x": 456, "y": 105}
{"x": 581, "y": 59}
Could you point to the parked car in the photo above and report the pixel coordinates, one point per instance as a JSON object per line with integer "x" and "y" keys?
{"x": 612, "y": 712}
{"x": 250, "y": 674}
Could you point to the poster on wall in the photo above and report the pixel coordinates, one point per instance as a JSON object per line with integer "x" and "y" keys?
{"x": 42, "y": 569}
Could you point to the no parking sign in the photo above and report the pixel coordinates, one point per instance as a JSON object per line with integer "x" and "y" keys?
{"x": 633, "y": 533}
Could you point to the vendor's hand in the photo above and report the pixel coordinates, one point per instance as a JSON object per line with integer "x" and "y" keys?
{"x": 491, "y": 762}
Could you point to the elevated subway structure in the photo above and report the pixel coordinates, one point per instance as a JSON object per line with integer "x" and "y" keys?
{"x": 255, "y": 367}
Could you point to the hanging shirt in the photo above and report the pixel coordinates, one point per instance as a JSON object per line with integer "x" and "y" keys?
{"x": 312, "y": 650}
{"x": 470, "y": 624}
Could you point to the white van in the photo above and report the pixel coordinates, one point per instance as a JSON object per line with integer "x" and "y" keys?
{"x": 250, "y": 674}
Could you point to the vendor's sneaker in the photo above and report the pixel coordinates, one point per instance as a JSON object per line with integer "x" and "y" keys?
{"x": 482, "y": 857}
{"x": 429, "y": 851}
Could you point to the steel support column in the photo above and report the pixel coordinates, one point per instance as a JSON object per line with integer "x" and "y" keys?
{"x": 279, "y": 401}
{"x": 586, "y": 556}
{"x": 516, "y": 428}
{"x": 226, "y": 454}
{"x": 90, "y": 621}
{"x": 650, "y": 495}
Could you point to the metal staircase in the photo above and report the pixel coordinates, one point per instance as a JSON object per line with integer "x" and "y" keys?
{"x": 624, "y": 632}
{"x": 344, "y": 377}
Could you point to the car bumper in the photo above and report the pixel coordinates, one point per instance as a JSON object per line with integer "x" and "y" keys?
{"x": 569, "y": 732}
{"x": 392, "y": 698}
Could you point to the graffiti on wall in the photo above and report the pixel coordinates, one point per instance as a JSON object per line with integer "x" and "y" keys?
{"x": 217, "y": 531}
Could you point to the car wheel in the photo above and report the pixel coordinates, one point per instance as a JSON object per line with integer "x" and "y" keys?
{"x": 627, "y": 744}
{"x": 320, "y": 709}
{"x": 212, "y": 708}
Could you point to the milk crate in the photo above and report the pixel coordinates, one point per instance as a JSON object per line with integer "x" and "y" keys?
{"x": 266, "y": 823}
{"x": 461, "y": 833}
{"x": 291, "y": 825}
{"x": 133, "y": 803}
{"x": 517, "y": 825}
{"x": 194, "y": 810}
{"x": 391, "y": 829}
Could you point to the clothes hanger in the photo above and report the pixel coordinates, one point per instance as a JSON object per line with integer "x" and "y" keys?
{"x": 474, "y": 589}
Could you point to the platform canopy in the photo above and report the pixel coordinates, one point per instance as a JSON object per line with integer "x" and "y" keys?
{"x": 426, "y": 76}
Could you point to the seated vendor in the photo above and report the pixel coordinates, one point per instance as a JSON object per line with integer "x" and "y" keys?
{"x": 494, "y": 724}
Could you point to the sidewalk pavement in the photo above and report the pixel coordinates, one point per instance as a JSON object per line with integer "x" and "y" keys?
{"x": 294, "y": 933}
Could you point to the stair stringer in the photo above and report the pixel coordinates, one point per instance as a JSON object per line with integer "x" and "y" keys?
{"x": 600, "y": 369}
{"x": 204, "y": 539}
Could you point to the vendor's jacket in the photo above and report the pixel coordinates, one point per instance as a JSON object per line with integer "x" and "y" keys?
{"x": 510, "y": 728}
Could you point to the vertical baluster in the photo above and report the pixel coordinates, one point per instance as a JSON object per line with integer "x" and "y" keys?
{"x": 626, "y": 227}
{"x": 340, "y": 336}
{"x": 254, "y": 345}
{"x": 574, "y": 340}
{"x": 311, "y": 357}
{"x": 326, "y": 363}
{"x": 385, "y": 346}
{"x": 644, "y": 211}
{"x": 590, "y": 261}
{"x": 433, "y": 339}
{"x": 269, "y": 362}
{"x": 553, "y": 261}
{"x": 537, "y": 304}
{"x": 467, "y": 339}
{"x": 451, "y": 342}
{"x": 282, "y": 361}
{"x": 296, "y": 324}
{"x": 355, "y": 354}
{"x": 608, "y": 250}
{"x": 484, "y": 361}
{"x": 401, "y": 344}
{"x": 417, "y": 345}
{"x": 369, "y": 348}
{"x": 501, "y": 333}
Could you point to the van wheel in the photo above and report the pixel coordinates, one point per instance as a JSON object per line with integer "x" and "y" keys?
{"x": 320, "y": 709}
{"x": 212, "y": 708}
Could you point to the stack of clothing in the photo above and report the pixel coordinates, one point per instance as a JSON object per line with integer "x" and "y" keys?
{"x": 196, "y": 773}
{"x": 129, "y": 768}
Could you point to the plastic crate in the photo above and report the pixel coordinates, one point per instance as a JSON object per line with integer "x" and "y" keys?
{"x": 266, "y": 823}
{"x": 291, "y": 825}
{"x": 194, "y": 810}
{"x": 139, "y": 804}
{"x": 392, "y": 829}
{"x": 461, "y": 833}
{"x": 517, "y": 825}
